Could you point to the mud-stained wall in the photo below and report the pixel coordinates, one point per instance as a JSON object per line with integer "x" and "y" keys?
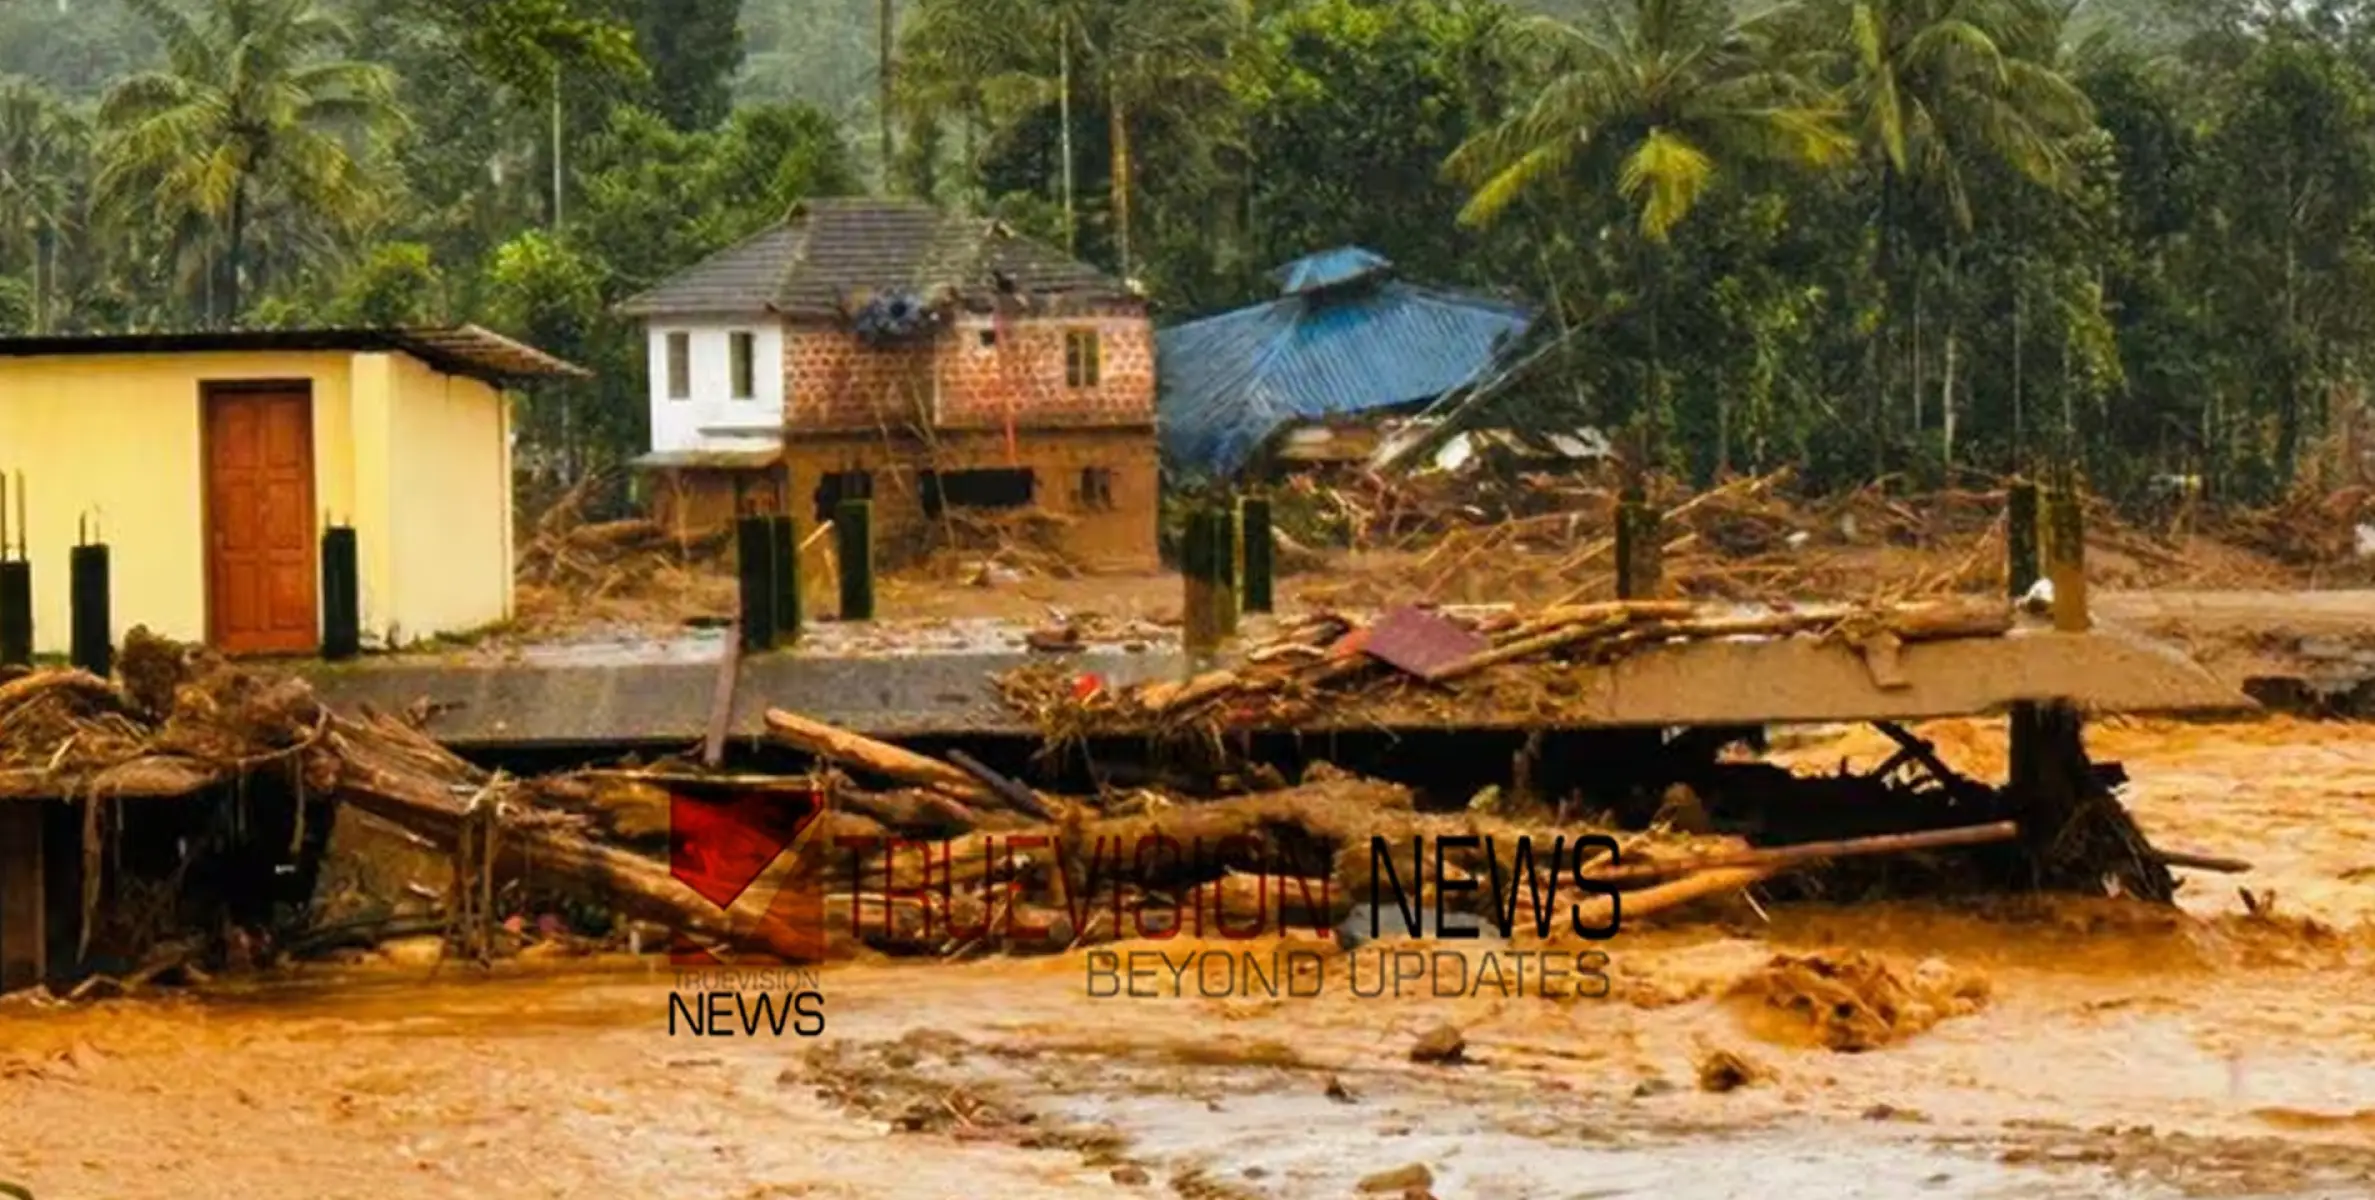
{"x": 980, "y": 373}
{"x": 1105, "y": 481}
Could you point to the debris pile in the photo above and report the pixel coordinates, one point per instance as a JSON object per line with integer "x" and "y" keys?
{"x": 571, "y": 571}
{"x": 985, "y": 547}
{"x": 1550, "y": 538}
{"x": 1440, "y": 664}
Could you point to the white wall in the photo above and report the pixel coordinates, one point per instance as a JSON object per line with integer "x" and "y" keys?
{"x": 679, "y": 424}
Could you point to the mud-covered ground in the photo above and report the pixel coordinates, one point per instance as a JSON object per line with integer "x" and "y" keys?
{"x": 2029, "y": 1049}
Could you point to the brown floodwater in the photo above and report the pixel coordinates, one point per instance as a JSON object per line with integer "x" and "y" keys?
{"x": 2030, "y": 1049}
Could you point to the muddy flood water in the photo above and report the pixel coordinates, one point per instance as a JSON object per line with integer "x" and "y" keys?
{"x": 2006, "y": 1049}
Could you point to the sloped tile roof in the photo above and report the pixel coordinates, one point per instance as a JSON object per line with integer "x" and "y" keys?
{"x": 834, "y": 253}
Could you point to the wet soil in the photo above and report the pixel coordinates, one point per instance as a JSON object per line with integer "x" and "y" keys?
{"x": 2031, "y": 1048}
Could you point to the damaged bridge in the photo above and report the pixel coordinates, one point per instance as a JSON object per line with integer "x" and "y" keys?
{"x": 942, "y": 682}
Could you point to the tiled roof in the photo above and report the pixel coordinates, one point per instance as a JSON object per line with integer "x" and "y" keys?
{"x": 832, "y": 254}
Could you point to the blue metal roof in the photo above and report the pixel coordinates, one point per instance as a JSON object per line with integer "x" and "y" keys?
{"x": 1328, "y": 268}
{"x": 1344, "y": 338}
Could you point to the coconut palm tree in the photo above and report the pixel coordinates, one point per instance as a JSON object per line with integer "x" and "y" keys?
{"x": 1652, "y": 100}
{"x": 1159, "y": 54}
{"x": 1650, "y": 104}
{"x": 955, "y": 63}
{"x": 1143, "y": 58}
{"x": 42, "y": 149}
{"x": 254, "y": 113}
{"x": 1933, "y": 87}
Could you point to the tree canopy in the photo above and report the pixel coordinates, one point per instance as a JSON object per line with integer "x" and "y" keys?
{"x": 1923, "y": 236}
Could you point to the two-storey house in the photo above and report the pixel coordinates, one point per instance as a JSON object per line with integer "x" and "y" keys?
{"x": 929, "y": 360}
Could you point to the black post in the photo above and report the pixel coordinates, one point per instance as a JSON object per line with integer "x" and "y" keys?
{"x": 2021, "y": 567}
{"x": 1224, "y": 568}
{"x": 1261, "y": 553}
{"x": 1638, "y": 569}
{"x": 16, "y": 581}
{"x": 16, "y": 613}
{"x": 754, "y": 569}
{"x": 342, "y": 595}
{"x": 783, "y": 549}
{"x": 90, "y": 621}
{"x": 1199, "y": 628}
{"x": 853, "y": 533}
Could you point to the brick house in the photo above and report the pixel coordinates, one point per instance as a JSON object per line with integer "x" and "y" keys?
{"x": 933, "y": 360}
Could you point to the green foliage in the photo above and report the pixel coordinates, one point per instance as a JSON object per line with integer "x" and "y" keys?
{"x": 395, "y": 286}
{"x": 253, "y": 117}
{"x": 16, "y": 306}
{"x": 1862, "y": 236}
{"x": 692, "y": 48}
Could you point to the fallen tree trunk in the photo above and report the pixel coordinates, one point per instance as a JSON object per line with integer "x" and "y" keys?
{"x": 881, "y": 758}
{"x": 398, "y": 775}
{"x": 1806, "y": 852}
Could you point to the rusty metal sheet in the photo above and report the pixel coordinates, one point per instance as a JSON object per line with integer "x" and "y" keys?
{"x": 1421, "y": 642}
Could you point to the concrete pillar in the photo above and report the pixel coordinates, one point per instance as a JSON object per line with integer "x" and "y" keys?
{"x": 754, "y": 570}
{"x": 24, "y": 925}
{"x": 2065, "y": 546}
{"x": 853, "y": 535}
{"x": 1224, "y": 568}
{"x": 342, "y": 595}
{"x": 16, "y": 613}
{"x": 1639, "y": 571}
{"x": 1199, "y": 616}
{"x": 1261, "y": 553}
{"x": 783, "y": 578}
{"x": 90, "y": 618}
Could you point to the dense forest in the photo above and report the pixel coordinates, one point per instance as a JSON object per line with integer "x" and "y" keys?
{"x": 1868, "y": 236}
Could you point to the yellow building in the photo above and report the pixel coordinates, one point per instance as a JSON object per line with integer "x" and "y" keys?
{"x": 210, "y": 463}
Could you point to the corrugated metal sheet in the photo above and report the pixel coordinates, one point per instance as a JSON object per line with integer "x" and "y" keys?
{"x": 1363, "y": 341}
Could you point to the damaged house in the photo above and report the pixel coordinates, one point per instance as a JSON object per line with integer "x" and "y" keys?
{"x": 1337, "y": 364}
{"x": 932, "y": 361}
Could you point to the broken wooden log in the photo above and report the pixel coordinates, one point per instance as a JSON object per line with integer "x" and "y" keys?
{"x": 881, "y": 758}
{"x": 2201, "y": 862}
{"x": 1020, "y": 798}
{"x": 1807, "y": 852}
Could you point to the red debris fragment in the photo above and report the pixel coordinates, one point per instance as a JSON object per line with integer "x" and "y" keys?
{"x": 1422, "y": 642}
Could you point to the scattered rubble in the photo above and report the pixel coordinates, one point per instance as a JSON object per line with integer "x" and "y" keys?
{"x": 1849, "y": 1000}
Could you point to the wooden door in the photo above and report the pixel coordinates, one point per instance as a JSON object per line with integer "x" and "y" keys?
{"x": 261, "y": 566}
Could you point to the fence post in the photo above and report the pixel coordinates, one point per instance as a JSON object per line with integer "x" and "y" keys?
{"x": 754, "y": 570}
{"x": 853, "y": 533}
{"x": 342, "y": 598}
{"x": 90, "y": 621}
{"x": 1639, "y": 570}
{"x": 16, "y": 583}
{"x": 1224, "y": 568}
{"x": 2065, "y": 553}
{"x": 1199, "y": 627}
{"x": 1261, "y": 553}
{"x": 783, "y": 576}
